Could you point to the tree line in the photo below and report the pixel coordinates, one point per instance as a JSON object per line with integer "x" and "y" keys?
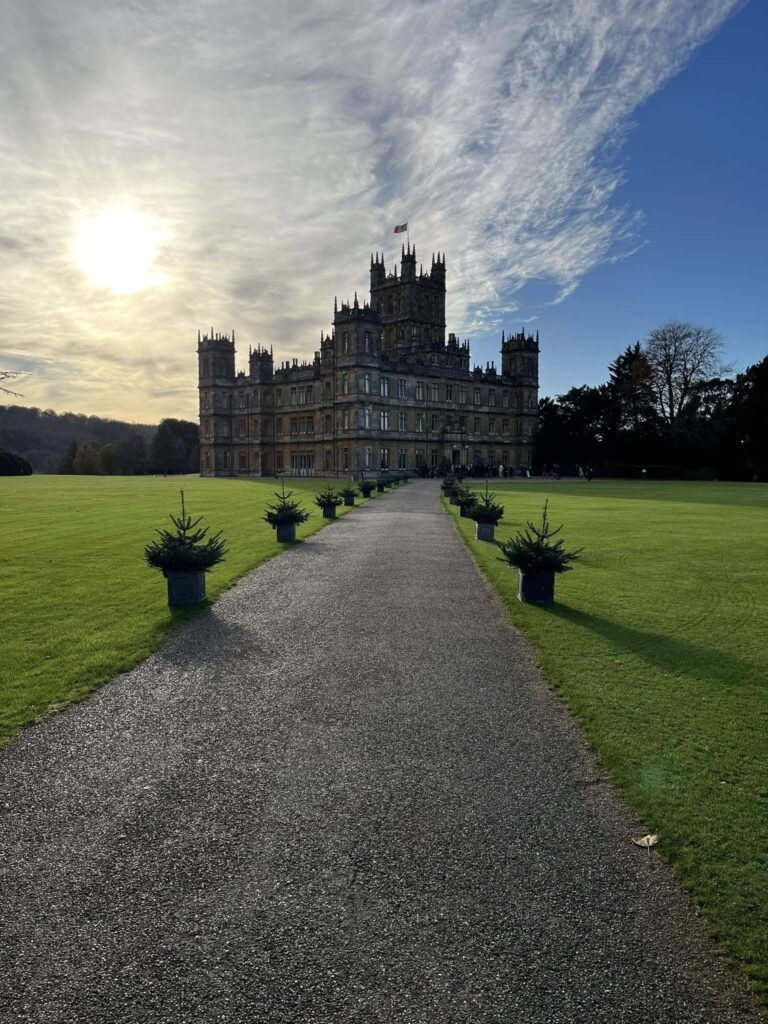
{"x": 670, "y": 408}
{"x": 174, "y": 448}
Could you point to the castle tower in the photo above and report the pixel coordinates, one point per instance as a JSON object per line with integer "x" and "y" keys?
{"x": 216, "y": 381}
{"x": 411, "y": 306}
{"x": 261, "y": 366}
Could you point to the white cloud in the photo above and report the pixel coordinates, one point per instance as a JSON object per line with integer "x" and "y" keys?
{"x": 277, "y": 144}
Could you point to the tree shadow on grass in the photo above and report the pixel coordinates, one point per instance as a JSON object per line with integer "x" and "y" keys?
{"x": 670, "y": 654}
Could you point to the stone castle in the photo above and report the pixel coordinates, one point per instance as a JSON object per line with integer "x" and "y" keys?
{"x": 384, "y": 391}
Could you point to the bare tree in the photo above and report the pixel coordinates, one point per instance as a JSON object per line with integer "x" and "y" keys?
{"x": 681, "y": 356}
{"x": 9, "y": 375}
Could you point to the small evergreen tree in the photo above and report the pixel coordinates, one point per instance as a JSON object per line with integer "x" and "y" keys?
{"x": 485, "y": 508}
{"x": 186, "y": 547}
{"x": 285, "y": 512}
{"x": 533, "y": 551}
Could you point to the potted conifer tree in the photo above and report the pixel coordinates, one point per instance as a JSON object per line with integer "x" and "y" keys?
{"x": 448, "y": 487}
{"x": 486, "y": 514}
{"x": 538, "y": 557}
{"x": 366, "y": 488}
{"x": 284, "y": 516}
{"x": 349, "y": 493}
{"x": 465, "y": 499}
{"x": 328, "y": 500}
{"x": 184, "y": 555}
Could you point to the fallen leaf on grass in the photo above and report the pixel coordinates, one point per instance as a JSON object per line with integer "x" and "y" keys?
{"x": 646, "y": 841}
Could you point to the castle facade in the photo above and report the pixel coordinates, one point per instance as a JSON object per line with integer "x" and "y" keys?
{"x": 384, "y": 391}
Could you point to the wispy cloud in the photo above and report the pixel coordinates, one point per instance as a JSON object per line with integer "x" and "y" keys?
{"x": 276, "y": 144}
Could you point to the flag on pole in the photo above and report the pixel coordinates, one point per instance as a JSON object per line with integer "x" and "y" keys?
{"x": 400, "y": 228}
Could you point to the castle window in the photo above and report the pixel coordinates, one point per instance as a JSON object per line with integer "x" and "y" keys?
{"x": 367, "y": 458}
{"x": 477, "y": 424}
{"x": 435, "y": 425}
{"x": 462, "y": 396}
{"x": 505, "y": 426}
{"x": 402, "y": 388}
{"x": 384, "y": 458}
{"x": 420, "y": 390}
{"x": 241, "y": 399}
{"x": 492, "y": 398}
{"x": 492, "y": 457}
{"x": 491, "y": 425}
{"x": 505, "y": 400}
{"x": 384, "y": 419}
{"x": 366, "y": 383}
{"x": 345, "y": 458}
{"x": 327, "y": 391}
{"x": 279, "y": 425}
{"x": 345, "y": 342}
{"x": 327, "y": 459}
{"x": 293, "y": 396}
{"x": 462, "y": 423}
{"x": 402, "y": 459}
{"x": 328, "y": 423}
{"x": 344, "y": 384}
{"x": 367, "y": 341}
{"x": 279, "y": 460}
{"x": 241, "y": 426}
{"x": 367, "y": 417}
{"x": 225, "y": 460}
{"x": 345, "y": 420}
{"x": 308, "y": 393}
{"x": 402, "y": 421}
{"x": 384, "y": 387}
{"x": 477, "y": 396}
{"x": 434, "y": 393}
{"x": 449, "y": 392}
{"x": 420, "y": 421}
{"x": 279, "y": 396}
{"x": 294, "y": 425}
{"x": 243, "y": 461}
{"x": 419, "y": 457}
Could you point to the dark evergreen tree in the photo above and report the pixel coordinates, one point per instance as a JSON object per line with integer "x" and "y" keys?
{"x": 67, "y": 464}
{"x": 132, "y": 455}
{"x": 173, "y": 447}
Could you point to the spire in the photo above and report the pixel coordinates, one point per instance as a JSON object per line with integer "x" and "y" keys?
{"x": 335, "y": 304}
{"x": 356, "y": 303}
{"x": 502, "y": 337}
{"x": 198, "y": 336}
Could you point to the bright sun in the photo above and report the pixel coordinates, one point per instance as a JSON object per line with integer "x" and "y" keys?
{"x": 116, "y": 249}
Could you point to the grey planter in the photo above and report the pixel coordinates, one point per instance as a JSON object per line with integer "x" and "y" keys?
{"x": 329, "y": 512}
{"x": 453, "y": 499}
{"x": 185, "y": 587}
{"x": 286, "y": 532}
{"x": 349, "y": 502}
{"x": 380, "y": 488}
{"x": 539, "y": 589}
{"x": 484, "y": 531}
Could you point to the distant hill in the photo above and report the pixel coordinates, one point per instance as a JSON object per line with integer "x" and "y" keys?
{"x": 41, "y": 436}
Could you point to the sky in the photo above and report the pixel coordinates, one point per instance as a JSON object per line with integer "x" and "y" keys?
{"x": 590, "y": 168}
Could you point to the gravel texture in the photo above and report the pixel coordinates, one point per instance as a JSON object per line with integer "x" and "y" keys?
{"x": 342, "y": 794}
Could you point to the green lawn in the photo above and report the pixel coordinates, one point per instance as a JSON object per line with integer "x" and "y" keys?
{"x": 78, "y": 603}
{"x": 658, "y": 643}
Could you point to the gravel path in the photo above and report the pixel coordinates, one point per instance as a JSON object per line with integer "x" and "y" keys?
{"x": 343, "y": 794}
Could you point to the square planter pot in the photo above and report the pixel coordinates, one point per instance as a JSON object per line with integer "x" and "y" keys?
{"x": 186, "y": 587}
{"x": 464, "y": 511}
{"x": 349, "y": 502}
{"x": 484, "y": 531}
{"x": 329, "y": 512}
{"x": 286, "y": 532}
{"x": 380, "y": 488}
{"x": 366, "y": 494}
{"x": 452, "y": 499}
{"x": 538, "y": 589}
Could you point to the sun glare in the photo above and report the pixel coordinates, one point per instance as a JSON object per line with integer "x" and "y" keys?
{"x": 116, "y": 249}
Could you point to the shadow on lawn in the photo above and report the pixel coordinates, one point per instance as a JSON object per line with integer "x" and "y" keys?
{"x": 667, "y": 653}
